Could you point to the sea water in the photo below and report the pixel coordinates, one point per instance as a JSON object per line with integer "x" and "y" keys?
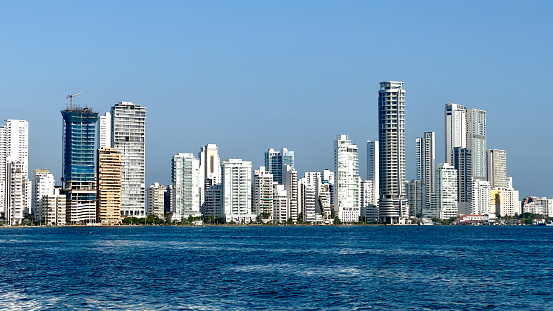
{"x": 277, "y": 268}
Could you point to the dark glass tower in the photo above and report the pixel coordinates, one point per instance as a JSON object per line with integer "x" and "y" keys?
{"x": 79, "y": 132}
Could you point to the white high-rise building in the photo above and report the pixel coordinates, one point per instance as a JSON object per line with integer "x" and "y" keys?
{"x": 17, "y": 194}
{"x": 237, "y": 191}
{"x": 476, "y": 141}
{"x": 156, "y": 200}
{"x": 290, "y": 182}
{"x": 128, "y": 136}
{"x": 43, "y": 185}
{"x": 280, "y": 203}
{"x": 446, "y": 191}
{"x": 455, "y": 129}
{"x": 188, "y": 181}
{"x": 346, "y": 189}
{"x": 481, "y": 204}
{"x": 373, "y": 169}
{"x": 367, "y": 201}
{"x": 392, "y": 206}
{"x": 262, "y": 193}
{"x": 308, "y": 195}
{"x": 104, "y": 131}
{"x": 211, "y": 165}
{"x": 497, "y": 168}
{"x": 14, "y": 170}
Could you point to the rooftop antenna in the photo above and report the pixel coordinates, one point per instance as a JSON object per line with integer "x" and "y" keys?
{"x": 71, "y": 99}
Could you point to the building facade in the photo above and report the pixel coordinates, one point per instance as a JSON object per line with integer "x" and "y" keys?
{"x": 346, "y": 188}
{"x": 128, "y": 137}
{"x": 275, "y": 161}
{"x": 79, "y": 174}
{"x": 237, "y": 191}
{"x": 109, "y": 186}
{"x": 446, "y": 191}
{"x": 188, "y": 182}
{"x": 156, "y": 200}
{"x": 393, "y": 207}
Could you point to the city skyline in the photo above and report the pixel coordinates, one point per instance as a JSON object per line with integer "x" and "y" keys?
{"x": 308, "y": 67}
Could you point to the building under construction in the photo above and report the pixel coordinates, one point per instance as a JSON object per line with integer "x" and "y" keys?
{"x": 79, "y": 130}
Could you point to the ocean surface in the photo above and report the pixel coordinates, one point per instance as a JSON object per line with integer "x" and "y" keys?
{"x": 277, "y": 268}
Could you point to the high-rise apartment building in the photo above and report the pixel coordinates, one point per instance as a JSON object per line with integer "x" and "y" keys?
{"x": 476, "y": 141}
{"x": 156, "y": 200}
{"x": 79, "y": 185}
{"x": 53, "y": 209}
{"x": 262, "y": 194}
{"x": 346, "y": 188}
{"x": 391, "y": 137}
{"x": 446, "y": 191}
{"x": 109, "y": 186}
{"x": 104, "y": 131}
{"x": 481, "y": 196}
{"x": 462, "y": 162}
{"x": 275, "y": 161}
{"x": 290, "y": 182}
{"x": 14, "y": 149}
{"x": 43, "y": 185}
{"x": 128, "y": 136}
{"x": 188, "y": 182}
{"x": 497, "y": 168}
{"x": 426, "y": 159}
{"x": 237, "y": 191}
{"x": 373, "y": 169}
{"x": 455, "y": 129}
{"x": 210, "y": 165}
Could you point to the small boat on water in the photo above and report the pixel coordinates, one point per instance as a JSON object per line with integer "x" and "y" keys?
{"x": 426, "y": 222}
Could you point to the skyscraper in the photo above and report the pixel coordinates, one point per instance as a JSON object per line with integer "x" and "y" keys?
{"x": 79, "y": 133}
{"x": 104, "y": 131}
{"x": 455, "y": 129}
{"x": 275, "y": 161}
{"x": 462, "y": 162}
{"x": 156, "y": 200}
{"x": 262, "y": 193}
{"x": 373, "y": 169}
{"x": 188, "y": 182}
{"x": 128, "y": 136}
{"x": 446, "y": 191}
{"x": 426, "y": 158}
{"x": 109, "y": 186}
{"x": 476, "y": 141}
{"x": 347, "y": 205}
{"x": 237, "y": 191}
{"x": 14, "y": 151}
{"x": 497, "y": 168}
{"x": 391, "y": 137}
{"x": 43, "y": 185}
{"x": 210, "y": 165}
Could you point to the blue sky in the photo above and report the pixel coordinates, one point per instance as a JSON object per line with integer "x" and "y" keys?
{"x": 250, "y": 75}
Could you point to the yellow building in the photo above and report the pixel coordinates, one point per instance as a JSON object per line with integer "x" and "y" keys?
{"x": 109, "y": 186}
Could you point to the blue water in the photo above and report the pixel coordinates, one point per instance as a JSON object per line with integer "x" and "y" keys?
{"x": 279, "y": 268}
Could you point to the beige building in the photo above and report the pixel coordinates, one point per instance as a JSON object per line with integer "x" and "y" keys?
{"x": 109, "y": 186}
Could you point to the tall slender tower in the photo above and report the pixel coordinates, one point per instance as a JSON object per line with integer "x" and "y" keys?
{"x": 373, "y": 170}
{"x": 476, "y": 140}
{"x": 455, "y": 129}
{"x": 128, "y": 136}
{"x": 79, "y": 133}
{"x": 426, "y": 158}
{"x": 391, "y": 136}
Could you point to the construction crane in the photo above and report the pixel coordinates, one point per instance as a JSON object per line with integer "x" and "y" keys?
{"x": 71, "y": 99}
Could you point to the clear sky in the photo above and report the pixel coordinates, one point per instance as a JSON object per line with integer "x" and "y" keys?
{"x": 251, "y": 75}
